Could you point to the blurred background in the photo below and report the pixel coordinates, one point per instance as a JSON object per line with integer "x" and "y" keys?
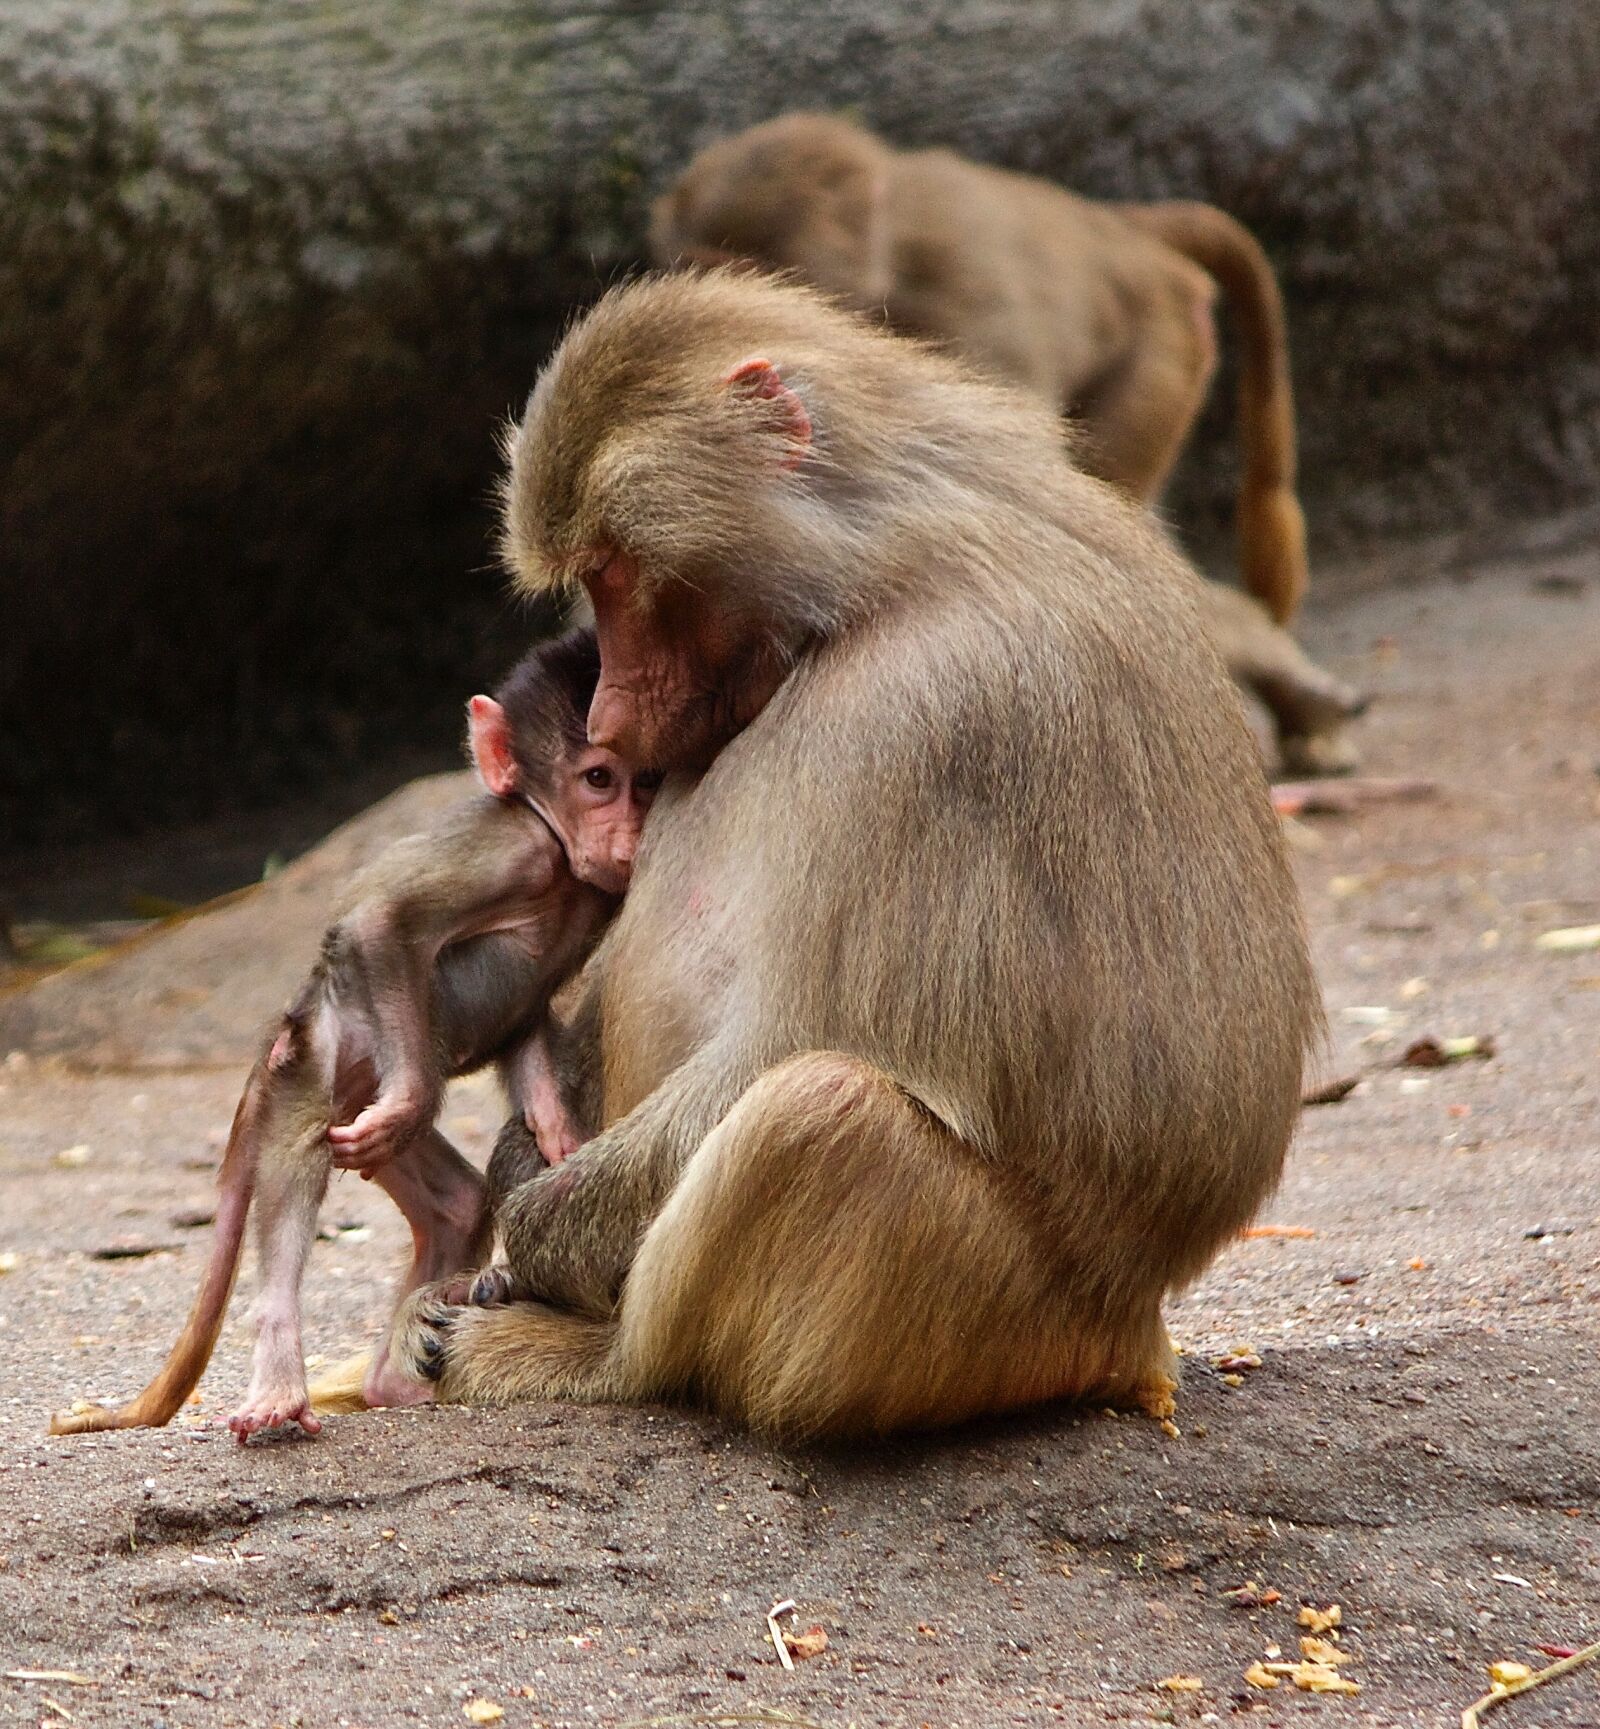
{"x": 271, "y": 277}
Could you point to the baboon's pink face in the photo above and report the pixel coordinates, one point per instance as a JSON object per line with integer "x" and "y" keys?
{"x": 600, "y": 803}
{"x": 674, "y": 685}
{"x": 688, "y": 659}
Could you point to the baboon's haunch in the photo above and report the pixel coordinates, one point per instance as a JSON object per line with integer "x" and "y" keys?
{"x": 443, "y": 959}
{"x": 956, "y": 1012}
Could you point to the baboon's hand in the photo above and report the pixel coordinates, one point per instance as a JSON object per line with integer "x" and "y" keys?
{"x": 377, "y": 1133}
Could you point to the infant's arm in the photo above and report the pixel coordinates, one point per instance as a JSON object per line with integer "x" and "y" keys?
{"x": 481, "y": 868}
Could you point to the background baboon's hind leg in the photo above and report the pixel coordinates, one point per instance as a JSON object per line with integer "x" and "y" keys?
{"x": 1310, "y": 708}
{"x": 1137, "y": 419}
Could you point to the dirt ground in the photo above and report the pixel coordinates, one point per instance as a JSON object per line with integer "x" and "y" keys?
{"x": 1419, "y": 1444}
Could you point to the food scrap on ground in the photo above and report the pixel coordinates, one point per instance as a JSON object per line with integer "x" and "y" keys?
{"x": 1573, "y": 940}
{"x": 812, "y": 1643}
{"x": 1319, "y": 1678}
{"x": 1435, "y": 1053}
{"x": 1308, "y": 1677}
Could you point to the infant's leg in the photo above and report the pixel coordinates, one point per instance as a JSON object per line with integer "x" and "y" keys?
{"x": 289, "y": 1189}
{"x": 446, "y": 1205}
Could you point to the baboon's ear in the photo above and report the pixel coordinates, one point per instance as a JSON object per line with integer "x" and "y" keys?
{"x": 760, "y": 381}
{"x": 490, "y": 734}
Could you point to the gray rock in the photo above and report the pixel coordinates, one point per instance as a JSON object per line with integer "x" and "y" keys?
{"x": 270, "y": 276}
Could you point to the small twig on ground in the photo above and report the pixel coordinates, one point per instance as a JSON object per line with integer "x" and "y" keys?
{"x": 1342, "y": 797}
{"x": 1472, "y": 1717}
{"x": 786, "y": 1607}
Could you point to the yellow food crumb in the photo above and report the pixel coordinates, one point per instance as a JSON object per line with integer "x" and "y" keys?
{"x": 1319, "y": 1678}
{"x": 1155, "y": 1399}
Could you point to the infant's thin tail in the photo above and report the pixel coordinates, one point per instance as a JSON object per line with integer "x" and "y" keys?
{"x": 186, "y": 1362}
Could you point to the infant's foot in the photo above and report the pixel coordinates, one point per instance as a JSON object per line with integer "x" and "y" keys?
{"x": 388, "y": 1386}
{"x": 275, "y": 1407}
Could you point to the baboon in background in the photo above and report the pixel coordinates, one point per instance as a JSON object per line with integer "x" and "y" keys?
{"x": 957, "y": 1009}
{"x": 1105, "y": 311}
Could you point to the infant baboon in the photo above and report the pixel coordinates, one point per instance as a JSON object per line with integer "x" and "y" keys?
{"x": 442, "y": 959}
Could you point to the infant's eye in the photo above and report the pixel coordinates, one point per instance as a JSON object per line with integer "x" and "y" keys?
{"x": 649, "y": 781}
{"x": 598, "y": 778}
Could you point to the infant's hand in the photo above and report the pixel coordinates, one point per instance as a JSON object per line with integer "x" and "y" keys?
{"x": 380, "y": 1131}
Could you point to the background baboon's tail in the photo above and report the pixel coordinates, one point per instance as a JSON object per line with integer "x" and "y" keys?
{"x": 1271, "y": 528}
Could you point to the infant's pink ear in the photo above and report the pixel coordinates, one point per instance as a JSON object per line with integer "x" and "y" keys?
{"x": 490, "y": 733}
{"x": 759, "y": 379}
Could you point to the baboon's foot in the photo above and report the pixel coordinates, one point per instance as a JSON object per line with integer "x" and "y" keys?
{"x": 495, "y": 1286}
{"x": 275, "y": 1407}
{"x": 1310, "y": 754}
{"x": 388, "y": 1385}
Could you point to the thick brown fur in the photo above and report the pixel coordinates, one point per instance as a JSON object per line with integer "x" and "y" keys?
{"x": 957, "y": 1011}
{"x": 1105, "y": 311}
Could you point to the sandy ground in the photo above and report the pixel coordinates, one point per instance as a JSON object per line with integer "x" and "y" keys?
{"x": 1419, "y": 1445}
